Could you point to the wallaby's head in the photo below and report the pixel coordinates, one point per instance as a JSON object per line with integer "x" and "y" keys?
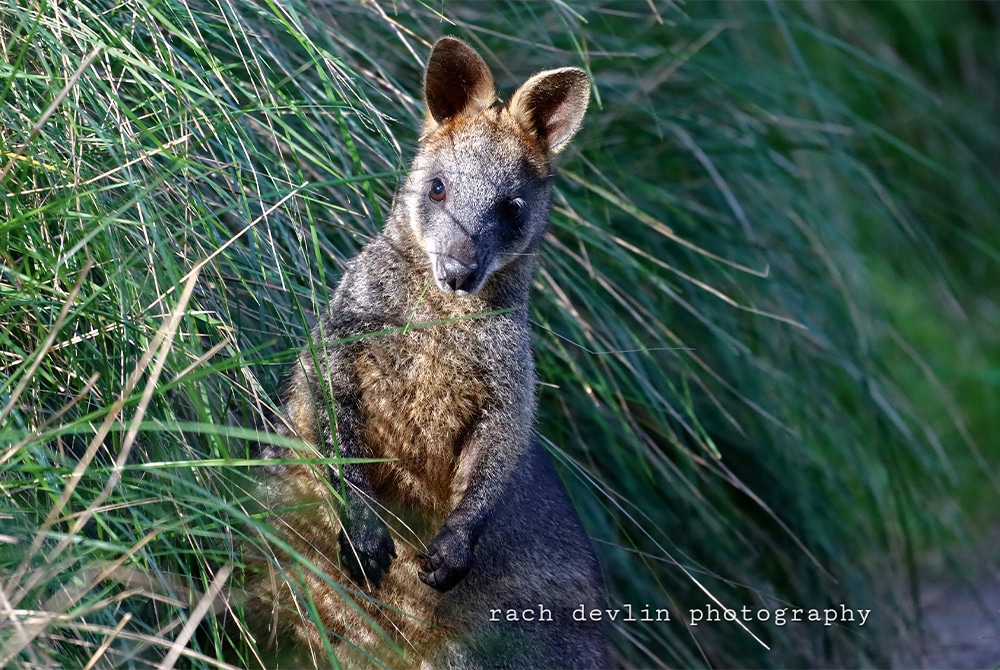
{"x": 478, "y": 194}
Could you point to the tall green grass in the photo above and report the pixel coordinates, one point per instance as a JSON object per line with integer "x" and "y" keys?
{"x": 765, "y": 320}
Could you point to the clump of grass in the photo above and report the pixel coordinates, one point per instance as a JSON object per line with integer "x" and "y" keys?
{"x": 734, "y": 387}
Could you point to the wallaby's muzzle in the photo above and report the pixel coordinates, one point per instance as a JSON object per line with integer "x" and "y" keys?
{"x": 458, "y": 268}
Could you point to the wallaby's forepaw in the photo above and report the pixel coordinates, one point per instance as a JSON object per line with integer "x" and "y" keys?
{"x": 446, "y": 560}
{"x": 366, "y": 548}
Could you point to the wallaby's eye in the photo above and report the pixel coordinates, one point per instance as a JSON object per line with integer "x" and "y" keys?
{"x": 437, "y": 190}
{"x": 516, "y": 207}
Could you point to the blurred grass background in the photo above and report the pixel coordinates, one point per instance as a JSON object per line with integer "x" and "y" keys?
{"x": 766, "y": 322}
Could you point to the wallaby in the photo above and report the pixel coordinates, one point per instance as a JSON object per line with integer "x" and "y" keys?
{"x": 460, "y": 542}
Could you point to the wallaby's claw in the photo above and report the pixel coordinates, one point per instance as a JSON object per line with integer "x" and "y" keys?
{"x": 367, "y": 550}
{"x": 447, "y": 560}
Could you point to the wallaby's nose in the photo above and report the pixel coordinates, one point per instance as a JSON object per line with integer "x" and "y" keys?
{"x": 459, "y": 276}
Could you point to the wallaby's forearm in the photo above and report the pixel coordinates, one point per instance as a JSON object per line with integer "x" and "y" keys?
{"x": 365, "y": 543}
{"x": 497, "y": 448}
{"x": 491, "y": 453}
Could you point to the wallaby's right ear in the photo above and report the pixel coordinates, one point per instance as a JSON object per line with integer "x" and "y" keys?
{"x": 551, "y": 105}
{"x": 457, "y": 79}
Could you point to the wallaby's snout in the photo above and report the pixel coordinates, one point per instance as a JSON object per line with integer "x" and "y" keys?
{"x": 457, "y": 268}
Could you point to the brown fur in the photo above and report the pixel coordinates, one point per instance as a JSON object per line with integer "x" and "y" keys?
{"x": 419, "y": 400}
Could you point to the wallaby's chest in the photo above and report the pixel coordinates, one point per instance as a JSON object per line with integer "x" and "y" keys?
{"x": 421, "y": 394}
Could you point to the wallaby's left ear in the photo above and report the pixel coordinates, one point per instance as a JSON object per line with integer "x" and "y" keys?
{"x": 457, "y": 81}
{"x": 551, "y": 105}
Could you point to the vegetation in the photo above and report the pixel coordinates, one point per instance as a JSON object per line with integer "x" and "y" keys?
{"x": 766, "y": 321}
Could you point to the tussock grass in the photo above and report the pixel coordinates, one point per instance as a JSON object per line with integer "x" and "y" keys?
{"x": 764, "y": 323}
